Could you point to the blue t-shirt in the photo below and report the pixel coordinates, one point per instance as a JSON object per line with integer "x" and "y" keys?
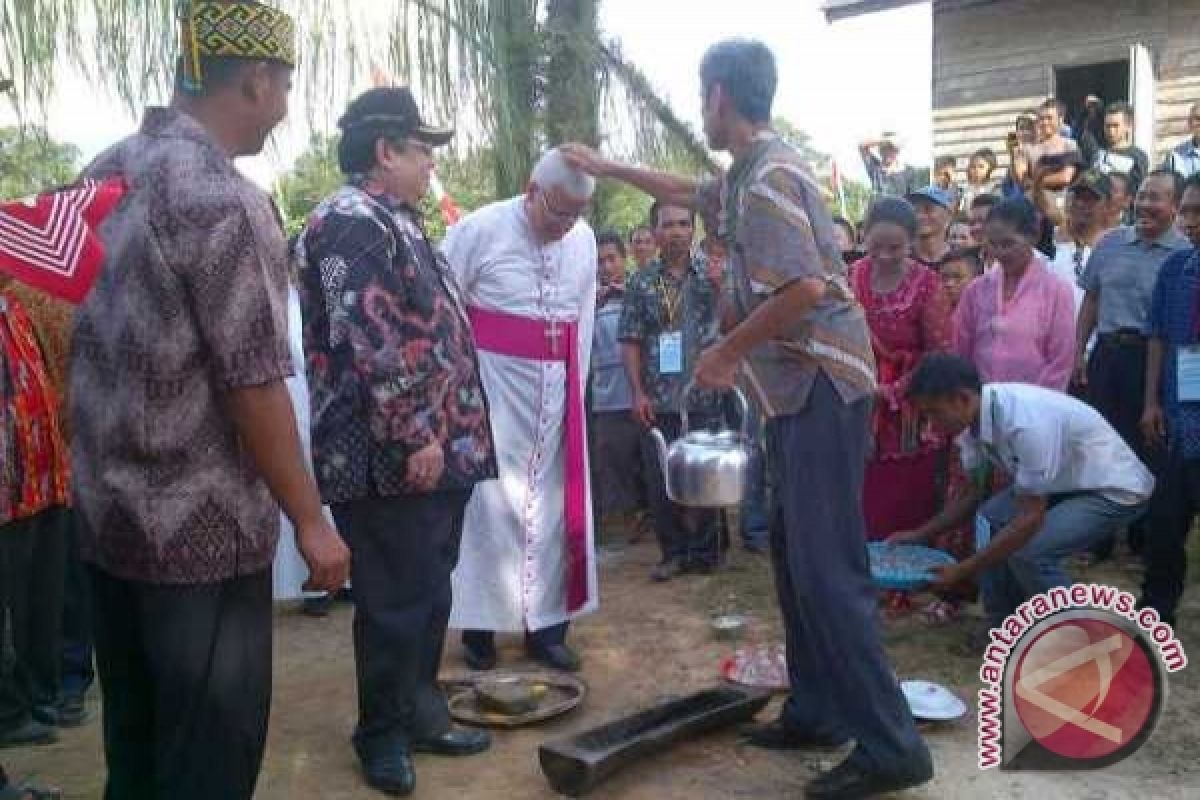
{"x": 1173, "y": 320}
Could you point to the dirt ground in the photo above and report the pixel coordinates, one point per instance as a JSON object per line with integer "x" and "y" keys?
{"x": 647, "y": 642}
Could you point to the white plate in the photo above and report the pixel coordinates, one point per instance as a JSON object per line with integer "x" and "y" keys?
{"x": 932, "y": 701}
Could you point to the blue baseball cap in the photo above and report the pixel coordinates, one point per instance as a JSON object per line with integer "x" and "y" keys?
{"x": 934, "y": 194}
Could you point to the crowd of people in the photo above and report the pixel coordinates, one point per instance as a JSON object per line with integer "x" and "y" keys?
{"x": 1003, "y": 369}
{"x": 1060, "y": 275}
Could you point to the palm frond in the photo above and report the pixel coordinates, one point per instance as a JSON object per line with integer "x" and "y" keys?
{"x": 660, "y": 134}
{"x": 486, "y": 63}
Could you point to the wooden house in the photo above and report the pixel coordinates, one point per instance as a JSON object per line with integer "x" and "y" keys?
{"x": 993, "y": 59}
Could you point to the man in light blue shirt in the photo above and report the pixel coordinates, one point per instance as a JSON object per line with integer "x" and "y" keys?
{"x": 1185, "y": 158}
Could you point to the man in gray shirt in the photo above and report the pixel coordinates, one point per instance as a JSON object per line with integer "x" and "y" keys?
{"x": 1118, "y": 282}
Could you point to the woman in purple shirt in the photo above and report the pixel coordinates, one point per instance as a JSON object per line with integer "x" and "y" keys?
{"x": 1017, "y": 322}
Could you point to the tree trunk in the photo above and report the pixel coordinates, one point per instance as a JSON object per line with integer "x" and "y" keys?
{"x": 572, "y": 77}
{"x": 514, "y": 98}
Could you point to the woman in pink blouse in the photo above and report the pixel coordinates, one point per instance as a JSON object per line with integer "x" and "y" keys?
{"x": 1017, "y": 323}
{"x": 909, "y": 315}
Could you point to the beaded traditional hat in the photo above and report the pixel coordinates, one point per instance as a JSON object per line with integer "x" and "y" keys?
{"x": 232, "y": 29}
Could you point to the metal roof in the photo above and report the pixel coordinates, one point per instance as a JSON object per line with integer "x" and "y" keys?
{"x": 844, "y": 9}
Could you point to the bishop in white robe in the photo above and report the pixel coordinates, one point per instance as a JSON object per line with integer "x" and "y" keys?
{"x": 527, "y": 270}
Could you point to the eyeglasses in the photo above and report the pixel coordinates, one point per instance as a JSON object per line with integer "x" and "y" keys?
{"x": 564, "y": 217}
{"x": 409, "y": 143}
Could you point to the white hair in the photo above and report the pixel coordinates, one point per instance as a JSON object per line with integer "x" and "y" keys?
{"x": 553, "y": 170}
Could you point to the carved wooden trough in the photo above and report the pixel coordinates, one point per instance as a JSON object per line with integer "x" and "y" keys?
{"x": 576, "y": 764}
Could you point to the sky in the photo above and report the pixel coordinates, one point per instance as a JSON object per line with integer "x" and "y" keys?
{"x": 840, "y": 82}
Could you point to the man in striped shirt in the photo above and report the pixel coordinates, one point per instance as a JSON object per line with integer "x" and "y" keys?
{"x": 802, "y": 344}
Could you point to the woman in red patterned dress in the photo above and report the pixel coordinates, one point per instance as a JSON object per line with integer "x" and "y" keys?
{"x": 909, "y": 315}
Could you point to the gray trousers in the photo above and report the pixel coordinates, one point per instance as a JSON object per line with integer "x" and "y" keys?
{"x": 841, "y": 682}
{"x": 1074, "y": 524}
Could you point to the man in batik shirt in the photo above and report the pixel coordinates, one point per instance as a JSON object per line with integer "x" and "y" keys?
{"x": 669, "y": 318}
{"x": 184, "y": 439}
{"x": 400, "y": 430}
{"x": 803, "y": 347}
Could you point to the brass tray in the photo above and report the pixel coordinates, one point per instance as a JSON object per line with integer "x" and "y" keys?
{"x": 564, "y": 693}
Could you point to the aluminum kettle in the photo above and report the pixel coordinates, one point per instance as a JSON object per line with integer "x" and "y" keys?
{"x": 704, "y": 469}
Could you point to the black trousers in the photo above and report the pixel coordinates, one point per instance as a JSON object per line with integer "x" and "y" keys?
{"x": 1116, "y": 384}
{"x": 186, "y": 678}
{"x": 684, "y": 534}
{"x": 1173, "y": 508}
{"x": 841, "y": 682}
{"x": 32, "y": 561}
{"x": 403, "y": 551}
{"x": 78, "y": 673}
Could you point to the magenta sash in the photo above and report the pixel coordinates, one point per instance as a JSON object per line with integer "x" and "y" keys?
{"x": 539, "y": 340}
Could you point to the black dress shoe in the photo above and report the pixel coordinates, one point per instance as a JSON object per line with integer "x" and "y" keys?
{"x": 849, "y": 781}
{"x": 780, "y": 735}
{"x": 479, "y": 650}
{"x": 387, "y": 767}
{"x": 556, "y": 656}
{"x": 317, "y": 606}
{"x": 454, "y": 742}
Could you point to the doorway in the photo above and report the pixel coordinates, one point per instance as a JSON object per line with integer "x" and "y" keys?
{"x": 1108, "y": 80}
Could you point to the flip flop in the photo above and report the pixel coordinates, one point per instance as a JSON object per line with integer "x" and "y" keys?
{"x": 941, "y": 612}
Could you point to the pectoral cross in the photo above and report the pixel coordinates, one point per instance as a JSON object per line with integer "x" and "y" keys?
{"x": 552, "y": 334}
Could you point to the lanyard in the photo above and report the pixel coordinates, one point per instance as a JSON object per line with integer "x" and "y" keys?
{"x": 671, "y": 299}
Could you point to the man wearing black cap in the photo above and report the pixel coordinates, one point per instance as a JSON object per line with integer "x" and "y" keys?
{"x": 400, "y": 430}
{"x": 184, "y": 438}
{"x": 1087, "y": 204}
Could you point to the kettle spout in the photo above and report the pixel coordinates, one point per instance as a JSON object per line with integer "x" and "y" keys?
{"x": 660, "y": 444}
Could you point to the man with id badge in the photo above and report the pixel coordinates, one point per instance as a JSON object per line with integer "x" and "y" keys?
{"x": 1171, "y": 418}
{"x": 1074, "y": 480}
{"x": 669, "y": 317}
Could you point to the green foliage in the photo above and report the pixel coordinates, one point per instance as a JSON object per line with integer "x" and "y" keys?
{"x": 470, "y": 180}
{"x": 620, "y": 207}
{"x": 314, "y": 176}
{"x": 858, "y": 199}
{"x": 30, "y": 162}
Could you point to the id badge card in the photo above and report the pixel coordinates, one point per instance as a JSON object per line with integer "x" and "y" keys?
{"x": 983, "y": 532}
{"x": 670, "y": 353}
{"x": 1187, "y": 366}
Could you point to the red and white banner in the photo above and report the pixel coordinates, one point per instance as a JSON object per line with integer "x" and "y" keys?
{"x": 49, "y": 241}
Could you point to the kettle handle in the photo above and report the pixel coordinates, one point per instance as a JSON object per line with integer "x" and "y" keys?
{"x": 743, "y": 408}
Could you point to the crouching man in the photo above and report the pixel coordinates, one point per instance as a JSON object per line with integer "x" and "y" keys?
{"x": 1074, "y": 480}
